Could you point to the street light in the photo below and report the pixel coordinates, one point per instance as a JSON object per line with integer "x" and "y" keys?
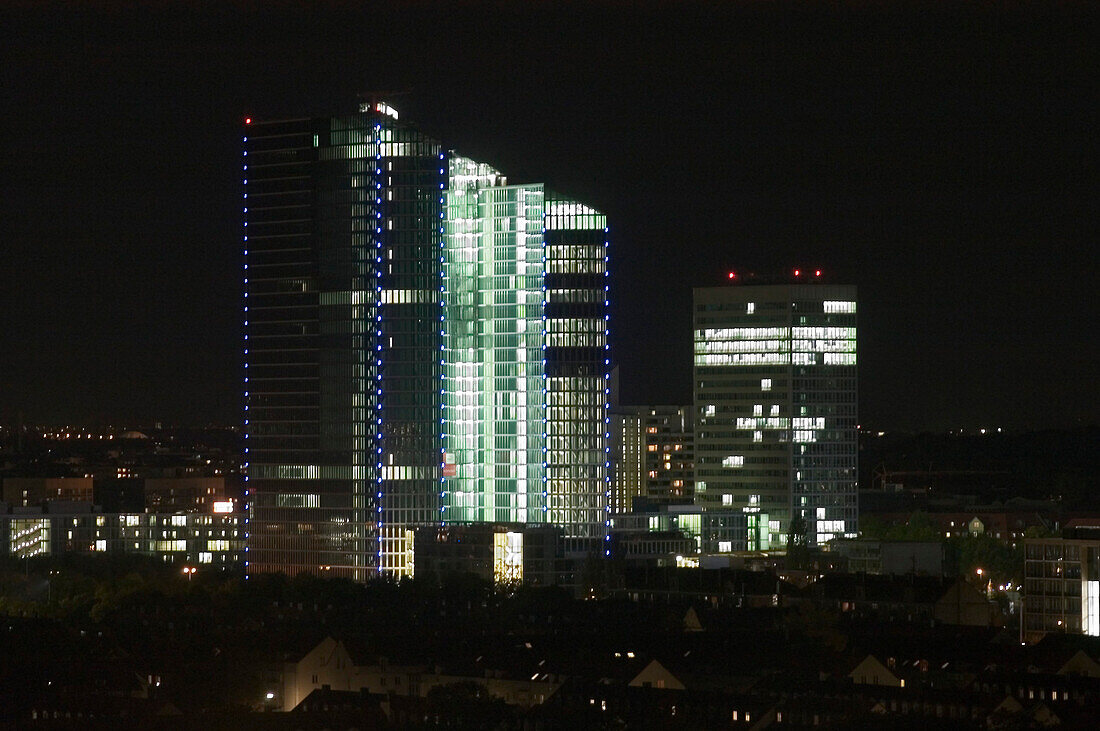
{"x": 190, "y": 571}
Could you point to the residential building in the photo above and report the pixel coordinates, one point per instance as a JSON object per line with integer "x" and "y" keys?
{"x": 28, "y": 491}
{"x": 330, "y": 665}
{"x": 653, "y": 448}
{"x": 627, "y": 459}
{"x": 210, "y": 538}
{"x": 775, "y": 406}
{"x": 1061, "y": 587}
{"x": 169, "y": 494}
{"x": 1007, "y": 526}
{"x": 669, "y": 452}
{"x": 424, "y": 344}
{"x": 891, "y": 557}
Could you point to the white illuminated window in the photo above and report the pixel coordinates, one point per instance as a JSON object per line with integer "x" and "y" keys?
{"x": 1092, "y": 608}
{"x": 775, "y": 410}
{"x": 758, "y": 410}
{"x": 725, "y": 546}
{"x": 840, "y": 358}
{"x": 750, "y": 308}
{"x": 727, "y": 499}
{"x": 758, "y": 436}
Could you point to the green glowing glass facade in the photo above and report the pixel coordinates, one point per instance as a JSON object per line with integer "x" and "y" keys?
{"x": 422, "y": 343}
{"x": 525, "y": 353}
{"x": 494, "y": 390}
{"x": 775, "y": 404}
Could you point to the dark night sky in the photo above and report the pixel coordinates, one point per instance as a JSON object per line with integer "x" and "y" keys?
{"x": 943, "y": 158}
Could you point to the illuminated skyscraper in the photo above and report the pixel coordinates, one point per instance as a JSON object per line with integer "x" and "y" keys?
{"x": 526, "y": 427}
{"x": 775, "y": 407}
{"x": 374, "y": 297}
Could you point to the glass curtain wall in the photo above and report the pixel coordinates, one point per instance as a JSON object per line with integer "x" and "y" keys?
{"x": 577, "y": 375}
{"x": 359, "y": 323}
{"x": 310, "y": 304}
{"x": 342, "y": 340}
{"x": 494, "y": 390}
{"x": 410, "y": 338}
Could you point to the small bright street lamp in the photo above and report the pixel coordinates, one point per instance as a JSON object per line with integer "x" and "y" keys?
{"x": 190, "y": 571}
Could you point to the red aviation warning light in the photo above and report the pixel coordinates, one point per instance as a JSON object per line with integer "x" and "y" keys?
{"x": 733, "y": 275}
{"x": 817, "y": 272}
{"x": 248, "y": 120}
{"x": 798, "y": 272}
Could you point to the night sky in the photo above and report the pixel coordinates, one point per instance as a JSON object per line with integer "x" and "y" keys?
{"x": 943, "y": 157}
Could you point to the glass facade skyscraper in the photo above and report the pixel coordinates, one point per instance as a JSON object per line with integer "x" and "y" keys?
{"x": 401, "y": 362}
{"x": 775, "y": 407}
{"x": 494, "y": 390}
{"x": 526, "y": 426}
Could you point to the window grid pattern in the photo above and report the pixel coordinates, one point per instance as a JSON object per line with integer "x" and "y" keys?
{"x": 348, "y": 333}
{"x": 776, "y": 402}
{"x": 340, "y": 214}
{"x": 577, "y": 366}
{"x": 494, "y": 390}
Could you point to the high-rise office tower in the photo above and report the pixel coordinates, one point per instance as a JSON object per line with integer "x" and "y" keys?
{"x": 526, "y": 367}
{"x": 775, "y": 406}
{"x": 365, "y": 269}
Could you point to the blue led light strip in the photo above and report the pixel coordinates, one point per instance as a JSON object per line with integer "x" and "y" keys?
{"x": 244, "y": 465}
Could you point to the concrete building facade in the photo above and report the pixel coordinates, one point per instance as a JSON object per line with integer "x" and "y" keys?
{"x": 775, "y": 406}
